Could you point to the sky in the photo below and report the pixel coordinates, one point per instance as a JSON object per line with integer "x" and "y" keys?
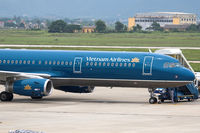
{"x": 94, "y": 8}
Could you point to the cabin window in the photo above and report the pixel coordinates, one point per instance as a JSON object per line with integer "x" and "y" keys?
{"x": 20, "y": 62}
{"x": 95, "y": 64}
{"x": 133, "y": 65}
{"x": 8, "y": 61}
{"x": 16, "y": 62}
{"x": 120, "y": 64}
{"x": 129, "y": 64}
{"x": 4, "y": 61}
{"x": 33, "y": 62}
{"x": 54, "y": 62}
{"x": 104, "y": 64}
{"x": 24, "y": 62}
{"x": 99, "y": 63}
{"x": 125, "y": 64}
{"x": 108, "y": 64}
{"x": 50, "y": 62}
{"x": 70, "y": 63}
{"x": 87, "y": 63}
{"x": 116, "y": 64}
{"x": 28, "y": 62}
{"x": 62, "y": 63}
{"x": 66, "y": 63}
{"x": 91, "y": 63}
{"x": 46, "y": 62}
{"x": 58, "y": 62}
{"x": 0, "y": 61}
{"x": 112, "y": 64}
{"x": 12, "y": 62}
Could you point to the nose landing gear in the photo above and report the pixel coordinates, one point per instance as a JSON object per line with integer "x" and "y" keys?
{"x": 152, "y": 99}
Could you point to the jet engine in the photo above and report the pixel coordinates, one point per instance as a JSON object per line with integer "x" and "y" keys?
{"x": 36, "y": 88}
{"x": 76, "y": 89}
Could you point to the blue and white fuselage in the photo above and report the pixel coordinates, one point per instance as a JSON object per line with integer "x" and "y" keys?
{"x": 85, "y": 68}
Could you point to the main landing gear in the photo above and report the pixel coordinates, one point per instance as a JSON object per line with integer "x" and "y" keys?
{"x": 6, "y": 96}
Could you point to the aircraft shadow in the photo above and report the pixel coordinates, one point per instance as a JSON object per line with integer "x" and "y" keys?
{"x": 75, "y": 100}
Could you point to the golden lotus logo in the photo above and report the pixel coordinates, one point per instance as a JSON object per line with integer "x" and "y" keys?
{"x": 136, "y": 60}
{"x": 27, "y": 87}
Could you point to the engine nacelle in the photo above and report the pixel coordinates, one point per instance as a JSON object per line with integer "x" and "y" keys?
{"x": 76, "y": 89}
{"x": 31, "y": 87}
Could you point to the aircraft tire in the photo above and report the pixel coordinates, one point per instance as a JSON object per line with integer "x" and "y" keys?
{"x": 152, "y": 100}
{"x": 6, "y": 96}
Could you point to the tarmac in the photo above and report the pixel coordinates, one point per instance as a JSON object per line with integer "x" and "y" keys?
{"x": 116, "y": 110}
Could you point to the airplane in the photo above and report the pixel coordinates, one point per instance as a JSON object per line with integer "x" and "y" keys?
{"x": 35, "y": 73}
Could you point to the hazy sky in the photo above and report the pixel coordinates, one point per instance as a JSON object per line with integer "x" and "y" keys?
{"x": 94, "y": 8}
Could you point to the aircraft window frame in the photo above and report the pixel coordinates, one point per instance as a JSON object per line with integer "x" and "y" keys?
{"x": 66, "y": 63}
{"x": 4, "y": 61}
{"x": 133, "y": 65}
{"x": 121, "y": 64}
{"x": 95, "y": 64}
{"x": 0, "y": 61}
{"x": 24, "y": 62}
{"x": 54, "y": 62}
{"x": 112, "y": 64}
{"x": 70, "y": 63}
{"x": 87, "y": 63}
{"x": 99, "y": 63}
{"x": 104, "y": 64}
{"x": 8, "y": 61}
{"x": 58, "y": 62}
{"x": 50, "y": 62}
{"x": 129, "y": 64}
{"x": 108, "y": 64}
{"x": 46, "y": 62}
{"x": 116, "y": 64}
{"x": 40, "y": 62}
{"x": 125, "y": 64}
{"x": 16, "y": 61}
{"x": 20, "y": 62}
{"x": 62, "y": 63}
{"x": 28, "y": 62}
{"x": 91, "y": 63}
{"x": 12, "y": 62}
{"x": 33, "y": 62}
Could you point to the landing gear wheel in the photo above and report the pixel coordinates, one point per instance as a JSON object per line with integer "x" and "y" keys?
{"x": 40, "y": 97}
{"x": 152, "y": 100}
{"x": 6, "y": 96}
{"x": 162, "y": 101}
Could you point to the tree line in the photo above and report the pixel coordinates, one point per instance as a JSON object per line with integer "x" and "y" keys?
{"x": 60, "y": 26}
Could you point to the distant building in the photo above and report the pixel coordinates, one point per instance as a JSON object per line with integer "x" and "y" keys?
{"x": 1, "y": 24}
{"x": 88, "y": 29}
{"x": 176, "y": 27}
{"x": 163, "y": 18}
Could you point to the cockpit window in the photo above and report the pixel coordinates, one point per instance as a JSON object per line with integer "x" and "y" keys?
{"x": 171, "y": 65}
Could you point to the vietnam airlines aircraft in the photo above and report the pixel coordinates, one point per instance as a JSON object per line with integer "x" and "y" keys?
{"x": 35, "y": 73}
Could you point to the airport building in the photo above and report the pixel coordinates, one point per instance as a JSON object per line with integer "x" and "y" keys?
{"x": 163, "y": 18}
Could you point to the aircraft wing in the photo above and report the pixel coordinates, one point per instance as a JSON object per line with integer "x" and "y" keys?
{"x": 20, "y": 75}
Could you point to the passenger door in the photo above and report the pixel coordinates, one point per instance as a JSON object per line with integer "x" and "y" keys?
{"x": 77, "y": 65}
{"x": 147, "y": 65}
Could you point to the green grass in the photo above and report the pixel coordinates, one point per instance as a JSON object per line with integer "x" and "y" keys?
{"x": 195, "y": 66}
{"x": 156, "y": 39}
{"x": 192, "y": 55}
